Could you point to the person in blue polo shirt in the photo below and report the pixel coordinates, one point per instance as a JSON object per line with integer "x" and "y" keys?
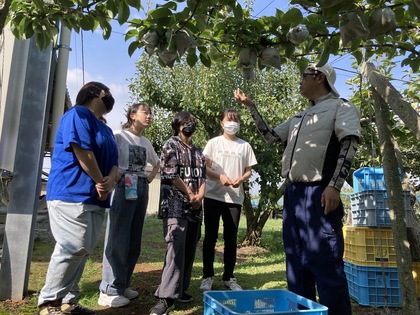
{"x": 83, "y": 169}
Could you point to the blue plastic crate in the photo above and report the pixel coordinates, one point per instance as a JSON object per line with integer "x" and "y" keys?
{"x": 371, "y": 208}
{"x": 373, "y": 286}
{"x": 368, "y": 178}
{"x": 259, "y": 301}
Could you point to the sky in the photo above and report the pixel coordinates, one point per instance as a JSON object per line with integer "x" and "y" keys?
{"x": 94, "y": 59}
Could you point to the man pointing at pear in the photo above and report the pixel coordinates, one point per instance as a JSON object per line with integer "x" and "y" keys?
{"x": 320, "y": 144}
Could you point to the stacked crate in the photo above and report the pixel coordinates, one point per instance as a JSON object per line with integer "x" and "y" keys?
{"x": 369, "y": 257}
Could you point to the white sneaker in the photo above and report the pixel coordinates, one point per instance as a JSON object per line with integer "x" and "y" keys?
{"x": 112, "y": 300}
{"x": 206, "y": 284}
{"x": 232, "y": 284}
{"x": 130, "y": 294}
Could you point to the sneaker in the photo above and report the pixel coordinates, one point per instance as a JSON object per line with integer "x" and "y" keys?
{"x": 232, "y": 284}
{"x": 130, "y": 294}
{"x": 185, "y": 298}
{"x": 76, "y": 309}
{"x": 50, "y": 310}
{"x": 112, "y": 300}
{"x": 162, "y": 307}
{"x": 206, "y": 284}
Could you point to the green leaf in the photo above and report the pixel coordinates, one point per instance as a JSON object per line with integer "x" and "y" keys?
{"x": 202, "y": 49}
{"x": 301, "y": 64}
{"x": 42, "y": 40}
{"x": 325, "y": 55}
{"x": 68, "y": 3}
{"x": 163, "y": 21}
{"x": 95, "y": 24}
{"x": 192, "y": 58}
{"x": 237, "y": 11}
{"x": 135, "y": 22}
{"x": 135, "y": 4}
{"x": 87, "y": 22}
{"x": 52, "y": 34}
{"x": 182, "y": 16}
{"x": 292, "y": 17}
{"x": 106, "y": 29}
{"x": 369, "y": 53}
{"x": 170, "y": 5}
{"x": 160, "y": 13}
{"x": 123, "y": 12}
{"x": 358, "y": 55}
{"x": 110, "y": 8}
{"x": 355, "y": 44}
{"x": 131, "y": 33}
{"x": 204, "y": 58}
{"x": 133, "y": 47}
{"x": 39, "y": 3}
{"x": 191, "y": 27}
{"x": 289, "y": 50}
{"x": 279, "y": 14}
{"x": 83, "y": 3}
{"x": 201, "y": 21}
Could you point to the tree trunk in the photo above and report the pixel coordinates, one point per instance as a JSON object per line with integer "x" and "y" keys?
{"x": 396, "y": 206}
{"x": 255, "y": 221}
{"x": 257, "y": 218}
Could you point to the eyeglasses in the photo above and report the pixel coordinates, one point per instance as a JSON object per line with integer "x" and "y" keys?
{"x": 146, "y": 113}
{"x": 305, "y": 74}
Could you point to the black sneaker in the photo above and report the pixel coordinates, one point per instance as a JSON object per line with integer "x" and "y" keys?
{"x": 162, "y": 307}
{"x": 185, "y": 298}
{"x": 50, "y": 310}
{"x": 76, "y": 309}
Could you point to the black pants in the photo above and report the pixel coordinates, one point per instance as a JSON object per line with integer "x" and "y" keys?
{"x": 230, "y": 213}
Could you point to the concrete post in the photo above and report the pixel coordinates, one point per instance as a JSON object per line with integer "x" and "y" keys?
{"x": 25, "y": 184}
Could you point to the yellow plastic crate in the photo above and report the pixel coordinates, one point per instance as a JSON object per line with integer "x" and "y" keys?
{"x": 369, "y": 246}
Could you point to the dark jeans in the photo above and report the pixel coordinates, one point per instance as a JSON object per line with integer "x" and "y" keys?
{"x": 123, "y": 238}
{"x": 230, "y": 213}
{"x": 314, "y": 247}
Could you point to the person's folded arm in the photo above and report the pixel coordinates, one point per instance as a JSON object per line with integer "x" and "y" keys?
{"x": 88, "y": 163}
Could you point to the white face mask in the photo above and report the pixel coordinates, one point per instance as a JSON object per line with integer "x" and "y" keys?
{"x": 231, "y": 127}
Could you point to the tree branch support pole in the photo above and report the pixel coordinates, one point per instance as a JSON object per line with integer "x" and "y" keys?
{"x": 393, "y": 98}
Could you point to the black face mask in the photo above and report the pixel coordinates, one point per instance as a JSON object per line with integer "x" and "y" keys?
{"x": 108, "y": 101}
{"x": 188, "y": 129}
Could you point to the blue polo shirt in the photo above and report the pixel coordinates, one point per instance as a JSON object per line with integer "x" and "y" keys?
{"x": 67, "y": 180}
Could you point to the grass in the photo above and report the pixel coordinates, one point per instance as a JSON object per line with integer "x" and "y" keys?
{"x": 257, "y": 268}
{"x": 260, "y": 267}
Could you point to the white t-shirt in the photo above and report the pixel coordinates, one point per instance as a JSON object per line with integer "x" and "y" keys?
{"x": 134, "y": 153}
{"x": 229, "y": 158}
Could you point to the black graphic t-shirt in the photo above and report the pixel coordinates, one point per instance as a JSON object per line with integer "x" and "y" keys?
{"x": 187, "y": 163}
{"x": 136, "y": 158}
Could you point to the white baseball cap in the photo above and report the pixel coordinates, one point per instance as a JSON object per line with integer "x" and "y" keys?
{"x": 330, "y": 75}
